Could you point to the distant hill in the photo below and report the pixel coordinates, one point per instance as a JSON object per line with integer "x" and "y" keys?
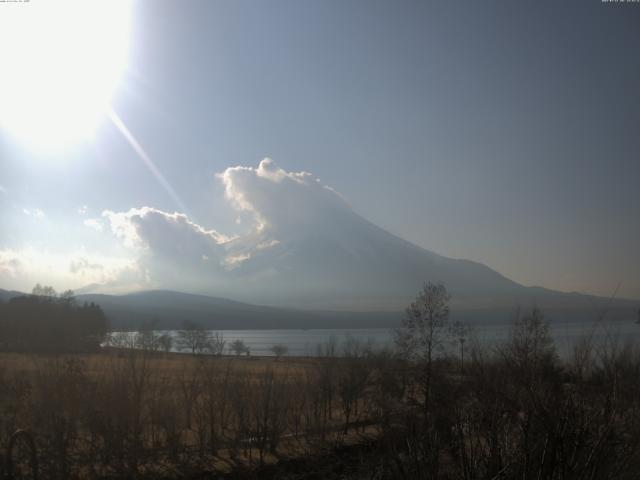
{"x": 170, "y": 308}
{"x": 5, "y": 295}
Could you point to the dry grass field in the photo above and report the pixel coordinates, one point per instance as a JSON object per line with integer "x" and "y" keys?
{"x": 157, "y": 414}
{"x": 166, "y": 364}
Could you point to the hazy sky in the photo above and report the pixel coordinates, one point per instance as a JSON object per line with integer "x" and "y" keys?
{"x": 499, "y": 131}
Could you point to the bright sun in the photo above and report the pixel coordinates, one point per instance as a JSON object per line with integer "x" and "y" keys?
{"x": 60, "y": 62}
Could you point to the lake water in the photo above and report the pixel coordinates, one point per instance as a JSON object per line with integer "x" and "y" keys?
{"x": 306, "y": 342}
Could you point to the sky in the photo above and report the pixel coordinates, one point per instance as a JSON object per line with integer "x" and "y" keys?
{"x": 502, "y": 132}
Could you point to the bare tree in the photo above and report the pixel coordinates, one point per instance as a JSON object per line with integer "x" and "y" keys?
{"x": 530, "y": 348}
{"x": 424, "y": 325}
{"x": 67, "y": 297}
{"x": 121, "y": 340}
{"x": 354, "y": 347}
{"x": 328, "y": 348}
{"x": 44, "y": 291}
{"x": 147, "y": 338}
{"x": 269, "y": 411}
{"x": 193, "y": 337}
{"x": 165, "y": 342}
{"x": 216, "y": 343}
{"x": 238, "y": 347}
{"x": 423, "y": 332}
{"x": 353, "y": 375}
{"x": 459, "y": 333}
{"x": 279, "y": 350}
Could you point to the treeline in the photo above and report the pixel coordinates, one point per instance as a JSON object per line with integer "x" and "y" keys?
{"x": 47, "y": 322}
{"x": 192, "y": 338}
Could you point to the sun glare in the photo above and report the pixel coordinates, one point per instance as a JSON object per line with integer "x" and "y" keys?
{"x": 60, "y": 62}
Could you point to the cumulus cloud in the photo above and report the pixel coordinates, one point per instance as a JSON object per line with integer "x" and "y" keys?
{"x": 160, "y": 231}
{"x": 83, "y": 209}
{"x": 173, "y": 250}
{"x": 93, "y": 223}
{"x": 283, "y": 208}
{"x": 297, "y": 228}
{"x": 280, "y": 201}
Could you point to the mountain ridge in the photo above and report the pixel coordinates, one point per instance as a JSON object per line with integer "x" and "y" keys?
{"x": 167, "y": 309}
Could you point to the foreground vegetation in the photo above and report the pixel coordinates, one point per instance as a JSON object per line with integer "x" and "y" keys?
{"x": 513, "y": 411}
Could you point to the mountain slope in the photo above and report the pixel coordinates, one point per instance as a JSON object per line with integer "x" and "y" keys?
{"x": 306, "y": 247}
{"x": 340, "y": 260}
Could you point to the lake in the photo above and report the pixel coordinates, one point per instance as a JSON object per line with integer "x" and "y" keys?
{"x": 306, "y": 342}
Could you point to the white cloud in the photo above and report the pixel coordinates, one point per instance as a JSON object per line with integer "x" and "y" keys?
{"x": 232, "y": 261}
{"x": 81, "y": 265}
{"x": 283, "y": 206}
{"x": 93, "y": 223}
{"x": 170, "y": 250}
{"x": 149, "y": 227}
{"x": 23, "y": 268}
{"x": 35, "y": 213}
{"x": 10, "y": 264}
{"x": 83, "y": 210}
{"x": 268, "y": 244}
{"x": 3, "y": 190}
{"x": 280, "y": 201}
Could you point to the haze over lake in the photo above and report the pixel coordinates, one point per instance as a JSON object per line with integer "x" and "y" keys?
{"x": 307, "y": 342}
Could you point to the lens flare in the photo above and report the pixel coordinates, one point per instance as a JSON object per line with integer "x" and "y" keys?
{"x": 60, "y": 63}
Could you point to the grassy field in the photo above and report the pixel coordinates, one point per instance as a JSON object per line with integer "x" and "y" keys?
{"x": 157, "y": 414}
{"x": 169, "y": 364}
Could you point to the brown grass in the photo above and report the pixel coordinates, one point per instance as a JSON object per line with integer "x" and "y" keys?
{"x": 168, "y": 364}
{"x": 152, "y": 414}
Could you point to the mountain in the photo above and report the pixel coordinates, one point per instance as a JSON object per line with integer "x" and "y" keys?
{"x": 308, "y": 259}
{"x": 346, "y": 261}
{"x": 336, "y": 259}
{"x": 330, "y": 269}
{"x": 306, "y": 248}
